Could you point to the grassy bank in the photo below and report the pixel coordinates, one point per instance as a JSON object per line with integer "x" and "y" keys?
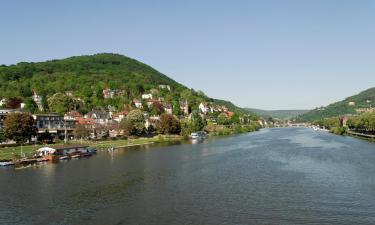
{"x": 362, "y": 138}
{"x": 7, "y": 153}
{"x": 229, "y": 130}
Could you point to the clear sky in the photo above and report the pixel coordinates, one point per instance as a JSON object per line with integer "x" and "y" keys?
{"x": 263, "y": 54}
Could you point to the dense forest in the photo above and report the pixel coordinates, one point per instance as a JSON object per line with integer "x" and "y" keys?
{"x": 365, "y": 99}
{"x": 79, "y": 82}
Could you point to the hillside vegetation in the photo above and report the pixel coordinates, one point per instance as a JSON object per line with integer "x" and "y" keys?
{"x": 350, "y": 105}
{"x": 278, "y": 114}
{"x": 85, "y": 77}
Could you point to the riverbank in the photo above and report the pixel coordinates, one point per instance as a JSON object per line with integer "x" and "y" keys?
{"x": 9, "y": 153}
{"x": 14, "y": 152}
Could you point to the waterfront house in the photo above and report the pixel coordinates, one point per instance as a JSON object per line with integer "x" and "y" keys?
{"x": 54, "y": 124}
{"x": 99, "y": 116}
{"x": 72, "y": 115}
{"x": 119, "y": 116}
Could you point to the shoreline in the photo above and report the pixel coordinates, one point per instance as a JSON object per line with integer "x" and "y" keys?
{"x": 12, "y": 153}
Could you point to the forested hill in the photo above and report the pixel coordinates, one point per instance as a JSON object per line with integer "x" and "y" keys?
{"x": 85, "y": 77}
{"x": 350, "y": 105}
{"x": 278, "y": 114}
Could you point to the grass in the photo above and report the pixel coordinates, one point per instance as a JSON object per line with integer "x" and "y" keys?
{"x": 8, "y": 153}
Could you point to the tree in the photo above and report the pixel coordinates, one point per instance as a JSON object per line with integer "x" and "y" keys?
{"x": 128, "y": 127}
{"x": 176, "y": 108}
{"x": 223, "y": 119}
{"x": 137, "y": 118}
{"x": 156, "y": 108}
{"x": 30, "y": 105}
{"x": 2, "y": 136}
{"x": 168, "y": 124}
{"x": 13, "y": 103}
{"x": 19, "y": 127}
{"x": 197, "y": 122}
{"x": 81, "y": 132}
{"x": 60, "y": 103}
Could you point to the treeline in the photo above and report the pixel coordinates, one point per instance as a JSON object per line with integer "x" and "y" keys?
{"x": 364, "y": 123}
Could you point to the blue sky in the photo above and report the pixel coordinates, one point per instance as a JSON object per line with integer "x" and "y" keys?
{"x": 263, "y": 54}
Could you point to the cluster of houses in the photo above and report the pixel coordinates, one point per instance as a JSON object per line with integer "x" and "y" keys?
{"x": 106, "y": 123}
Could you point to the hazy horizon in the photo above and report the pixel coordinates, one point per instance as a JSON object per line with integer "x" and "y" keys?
{"x": 268, "y": 55}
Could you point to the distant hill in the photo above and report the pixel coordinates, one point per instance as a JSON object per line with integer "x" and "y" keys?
{"x": 278, "y": 114}
{"x": 349, "y": 105}
{"x": 85, "y": 78}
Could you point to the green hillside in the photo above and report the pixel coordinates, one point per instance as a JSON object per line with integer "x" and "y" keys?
{"x": 84, "y": 78}
{"x": 364, "y": 99}
{"x": 278, "y": 114}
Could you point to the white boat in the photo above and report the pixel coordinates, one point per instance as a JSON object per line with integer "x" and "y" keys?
{"x": 63, "y": 157}
{"x": 75, "y": 156}
{"x": 198, "y": 135}
{"x": 7, "y": 163}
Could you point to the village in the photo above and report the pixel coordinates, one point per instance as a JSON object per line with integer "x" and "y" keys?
{"x": 154, "y": 116}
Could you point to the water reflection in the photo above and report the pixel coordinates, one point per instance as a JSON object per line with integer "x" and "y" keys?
{"x": 275, "y": 176}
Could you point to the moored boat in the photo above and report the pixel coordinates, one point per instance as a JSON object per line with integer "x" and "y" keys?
{"x": 7, "y": 163}
{"x": 198, "y": 135}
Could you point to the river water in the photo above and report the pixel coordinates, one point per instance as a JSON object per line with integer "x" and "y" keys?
{"x": 273, "y": 176}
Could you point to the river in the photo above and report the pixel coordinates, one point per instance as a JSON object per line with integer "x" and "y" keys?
{"x": 273, "y": 176}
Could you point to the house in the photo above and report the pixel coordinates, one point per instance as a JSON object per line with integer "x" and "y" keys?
{"x": 72, "y": 115}
{"x": 3, "y": 102}
{"x": 205, "y": 108}
{"x": 138, "y": 103}
{"x": 230, "y": 114}
{"x": 168, "y": 108}
{"x": 69, "y": 93}
{"x": 108, "y": 93}
{"x": 3, "y": 115}
{"x": 147, "y": 96}
{"x": 161, "y": 99}
{"x": 100, "y": 117}
{"x": 119, "y": 116}
{"x": 351, "y": 103}
{"x": 149, "y": 103}
{"x": 151, "y": 121}
{"x": 54, "y": 124}
{"x": 38, "y": 100}
{"x": 364, "y": 110}
{"x": 163, "y": 86}
{"x": 88, "y": 123}
{"x": 184, "y": 107}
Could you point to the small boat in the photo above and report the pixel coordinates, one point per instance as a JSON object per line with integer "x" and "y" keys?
{"x": 63, "y": 157}
{"x": 198, "y": 135}
{"x": 75, "y": 156}
{"x": 91, "y": 150}
{"x": 86, "y": 154}
{"x": 7, "y": 163}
